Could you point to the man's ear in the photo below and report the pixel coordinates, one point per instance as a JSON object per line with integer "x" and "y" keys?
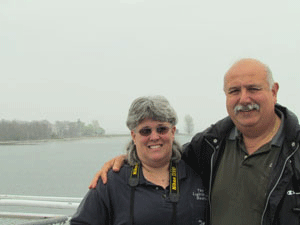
{"x": 275, "y": 89}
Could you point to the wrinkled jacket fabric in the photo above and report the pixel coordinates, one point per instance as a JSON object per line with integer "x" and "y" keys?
{"x": 282, "y": 207}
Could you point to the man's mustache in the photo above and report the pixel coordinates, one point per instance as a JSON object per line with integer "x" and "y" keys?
{"x": 245, "y": 108}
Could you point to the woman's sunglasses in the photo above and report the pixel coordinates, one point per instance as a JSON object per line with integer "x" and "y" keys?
{"x": 146, "y": 131}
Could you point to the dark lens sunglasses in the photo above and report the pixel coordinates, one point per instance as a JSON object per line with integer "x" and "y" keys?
{"x": 160, "y": 130}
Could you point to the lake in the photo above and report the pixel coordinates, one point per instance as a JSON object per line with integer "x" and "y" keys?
{"x": 56, "y": 168}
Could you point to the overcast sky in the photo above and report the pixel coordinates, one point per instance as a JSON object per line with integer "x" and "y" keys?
{"x": 89, "y": 59}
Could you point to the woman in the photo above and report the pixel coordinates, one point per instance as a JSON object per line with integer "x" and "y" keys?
{"x": 155, "y": 186}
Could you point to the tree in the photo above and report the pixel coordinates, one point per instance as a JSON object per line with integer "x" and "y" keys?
{"x": 98, "y": 130}
{"x": 189, "y": 124}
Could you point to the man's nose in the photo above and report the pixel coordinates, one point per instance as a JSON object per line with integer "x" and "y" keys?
{"x": 245, "y": 96}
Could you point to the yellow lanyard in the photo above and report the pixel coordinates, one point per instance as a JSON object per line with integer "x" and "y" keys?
{"x": 174, "y": 189}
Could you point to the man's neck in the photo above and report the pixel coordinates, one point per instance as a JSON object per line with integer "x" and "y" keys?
{"x": 254, "y": 142}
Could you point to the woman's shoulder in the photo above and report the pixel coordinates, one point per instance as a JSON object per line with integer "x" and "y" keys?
{"x": 190, "y": 178}
{"x": 121, "y": 176}
{"x": 183, "y": 166}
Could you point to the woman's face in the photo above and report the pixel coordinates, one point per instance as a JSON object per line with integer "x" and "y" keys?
{"x": 154, "y": 140}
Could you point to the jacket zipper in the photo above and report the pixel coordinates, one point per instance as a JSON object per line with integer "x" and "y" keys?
{"x": 268, "y": 198}
{"x": 210, "y": 177}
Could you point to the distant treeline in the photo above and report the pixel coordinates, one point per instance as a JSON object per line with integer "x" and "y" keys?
{"x": 40, "y": 130}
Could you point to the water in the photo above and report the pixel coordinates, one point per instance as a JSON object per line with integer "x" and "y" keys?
{"x": 56, "y": 168}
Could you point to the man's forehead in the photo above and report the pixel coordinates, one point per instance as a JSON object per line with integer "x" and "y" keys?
{"x": 246, "y": 80}
{"x": 245, "y": 71}
{"x": 246, "y": 68}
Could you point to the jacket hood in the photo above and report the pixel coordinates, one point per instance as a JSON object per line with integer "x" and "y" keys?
{"x": 291, "y": 126}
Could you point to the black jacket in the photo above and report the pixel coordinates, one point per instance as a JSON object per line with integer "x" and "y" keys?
{"x": 204, "y": 153}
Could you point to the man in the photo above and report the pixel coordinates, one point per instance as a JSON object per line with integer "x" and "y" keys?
{"x": 250, "y": 161}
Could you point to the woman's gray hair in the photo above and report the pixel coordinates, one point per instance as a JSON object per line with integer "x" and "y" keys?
{"x": 152, "y": 107}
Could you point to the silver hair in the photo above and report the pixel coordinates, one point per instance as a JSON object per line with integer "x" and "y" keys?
{"x": 152, "y": 107}
{"x": 269, "y": 74}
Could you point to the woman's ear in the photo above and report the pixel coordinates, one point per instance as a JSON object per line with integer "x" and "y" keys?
{"x": 133, "y": 135}
{"x": 173, "y": 130}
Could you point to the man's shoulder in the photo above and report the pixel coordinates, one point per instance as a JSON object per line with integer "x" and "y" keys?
{"x": 291, "y": 128}
{"x": 217, "y": 130}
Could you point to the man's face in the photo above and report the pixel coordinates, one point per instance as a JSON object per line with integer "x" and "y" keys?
{"x": 246, "y": 85}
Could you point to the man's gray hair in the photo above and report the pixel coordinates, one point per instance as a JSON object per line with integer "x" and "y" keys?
{"x": 152, "y": 107}
{"x": 269, "y": 74}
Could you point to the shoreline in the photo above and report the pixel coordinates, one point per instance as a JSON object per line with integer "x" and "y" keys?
{"x": 36, "y": 142}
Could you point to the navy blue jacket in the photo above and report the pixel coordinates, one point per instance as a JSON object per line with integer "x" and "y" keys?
{"x": 110, "y": 203}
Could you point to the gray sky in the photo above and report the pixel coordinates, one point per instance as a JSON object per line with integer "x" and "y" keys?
{"x": 70, "y": 59}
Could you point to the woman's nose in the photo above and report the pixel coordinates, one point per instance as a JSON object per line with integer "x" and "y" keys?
{"x": 154, "y": 135}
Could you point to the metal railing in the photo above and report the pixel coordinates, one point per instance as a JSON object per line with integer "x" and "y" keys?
{"x": 39, "y": 201}
{"x": 50, "y": 221}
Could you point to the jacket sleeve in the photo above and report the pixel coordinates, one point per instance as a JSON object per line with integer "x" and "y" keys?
{"x": 197, "y": 154}
{"x": 192, "y": 151}
{"x": 189, "y": 155}
{"x": 94, "y": 208}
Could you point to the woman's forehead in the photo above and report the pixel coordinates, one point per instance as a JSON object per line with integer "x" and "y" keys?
{"x": 151, "y": 122}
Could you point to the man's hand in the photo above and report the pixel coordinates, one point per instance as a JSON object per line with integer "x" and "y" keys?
{"x": 115, "y": 163}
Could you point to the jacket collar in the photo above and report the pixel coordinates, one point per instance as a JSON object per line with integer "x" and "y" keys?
{"x": 291, "y": 127}
{"x": 182, "y": 174}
